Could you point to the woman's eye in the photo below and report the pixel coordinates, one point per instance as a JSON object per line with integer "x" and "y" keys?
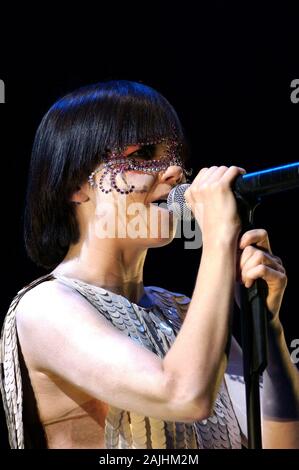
{"x": 146, "y": 153}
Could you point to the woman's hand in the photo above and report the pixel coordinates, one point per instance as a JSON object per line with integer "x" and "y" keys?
{"x": 259, "y": 262}
{"x": 213, "y": 203}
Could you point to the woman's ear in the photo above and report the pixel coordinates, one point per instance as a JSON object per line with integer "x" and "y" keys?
{"x": 79, "y": 196}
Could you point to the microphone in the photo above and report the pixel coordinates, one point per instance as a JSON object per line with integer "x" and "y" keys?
{"x": 250, "y": 186}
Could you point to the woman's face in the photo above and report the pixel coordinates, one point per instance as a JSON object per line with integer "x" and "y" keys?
{"x": 126, "y": 203}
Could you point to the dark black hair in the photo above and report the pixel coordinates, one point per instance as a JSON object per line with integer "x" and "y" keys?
{"x": 69, "y": 144}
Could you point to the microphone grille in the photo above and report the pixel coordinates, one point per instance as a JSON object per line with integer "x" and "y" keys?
{"x": 177, "y": 204}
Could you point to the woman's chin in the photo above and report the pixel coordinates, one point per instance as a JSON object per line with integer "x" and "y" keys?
{"x": 162, "y": 227}
{"x": 159, "y": 241}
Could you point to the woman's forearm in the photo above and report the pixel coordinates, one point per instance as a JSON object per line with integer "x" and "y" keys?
{"x": 197, "y": 359}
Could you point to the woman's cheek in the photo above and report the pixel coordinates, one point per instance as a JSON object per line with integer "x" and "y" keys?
{"x": 140, "y": 181}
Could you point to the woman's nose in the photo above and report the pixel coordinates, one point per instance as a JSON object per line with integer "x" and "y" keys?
{"x": 173, "y": 175}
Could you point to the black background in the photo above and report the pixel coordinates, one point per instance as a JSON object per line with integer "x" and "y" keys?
{"x": 226, "y": 68}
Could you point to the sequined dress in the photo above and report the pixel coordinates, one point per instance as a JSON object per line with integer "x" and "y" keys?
{"x": 155, "y": 328}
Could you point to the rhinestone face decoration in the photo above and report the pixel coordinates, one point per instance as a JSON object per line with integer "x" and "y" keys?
{"x": 116, "y": 163}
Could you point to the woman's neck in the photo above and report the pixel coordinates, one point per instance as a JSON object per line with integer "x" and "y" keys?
{"x": 106, "y": 265}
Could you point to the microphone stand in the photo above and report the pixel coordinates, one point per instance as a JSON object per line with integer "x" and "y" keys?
{"x": 254, "y": 318}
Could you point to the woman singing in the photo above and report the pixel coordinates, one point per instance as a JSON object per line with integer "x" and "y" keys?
{"x": 91, "y": 358}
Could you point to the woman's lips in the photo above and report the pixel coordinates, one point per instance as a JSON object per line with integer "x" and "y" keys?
{"x": 161, "y": 198}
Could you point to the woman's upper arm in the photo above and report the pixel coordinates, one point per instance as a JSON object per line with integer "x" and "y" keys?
{"x": 62, "y": 334}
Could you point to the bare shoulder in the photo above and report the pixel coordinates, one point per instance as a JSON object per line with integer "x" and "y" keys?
{"x": 50, "y": 307}
{"x": 42, "y": 298}
{"x": 48, "y": 297}
{"x": 42, "y": 291}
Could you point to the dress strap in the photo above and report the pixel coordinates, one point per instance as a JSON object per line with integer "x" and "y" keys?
{"x": 11, "y": 377}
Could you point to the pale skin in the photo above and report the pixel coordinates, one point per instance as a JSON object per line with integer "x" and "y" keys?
{"x": 74, "y": 369}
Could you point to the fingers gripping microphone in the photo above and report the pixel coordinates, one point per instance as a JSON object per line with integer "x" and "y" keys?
{"x": 249, "y": 186}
